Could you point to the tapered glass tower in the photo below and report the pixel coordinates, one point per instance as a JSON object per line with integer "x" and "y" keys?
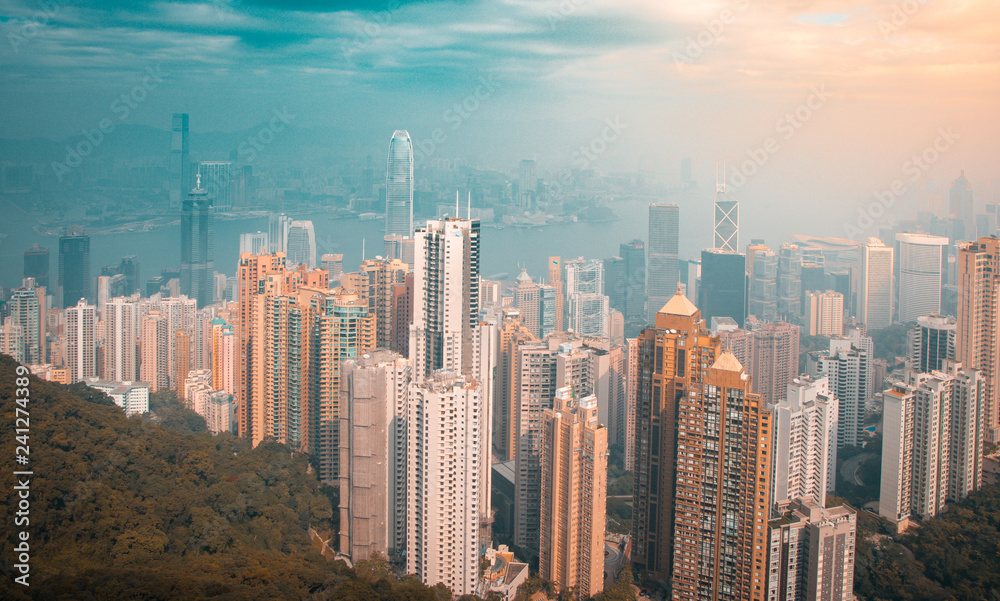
{"x": 399, "y": 185}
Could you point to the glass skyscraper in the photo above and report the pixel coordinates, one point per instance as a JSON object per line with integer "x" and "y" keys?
{"x": 180, "y": 166}
{"x": 664, "y": 238}
{"x": 399, "y": 185}
{"x": 197, "y": 246}
{"x": 74, "y": 265}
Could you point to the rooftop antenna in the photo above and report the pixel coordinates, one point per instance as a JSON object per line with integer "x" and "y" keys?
{"x": 197, "y": 181}
{"x": 470, "y": 204}
{"x": 362, "y": 250}
{"x": 456, "y": 204}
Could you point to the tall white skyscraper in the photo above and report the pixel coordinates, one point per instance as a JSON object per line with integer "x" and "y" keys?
{"x": 875, "y": 285}
{"x": 588, "y": 308}
{"x": 277, "y": 232}
{"x": 217, "y": 179}
{"x": 445, "y": 472}
{"x": 81, "y": 341}
{"x": 805, "y": 439}
{"x": 121, "y": 331}
{"x": 847, "y": 368}
{"x": 399, "y": 185}
{"x": 254, "y": 243}
{"x": 301, "y": 245}
{"x": 445, "y": 332}
{"x": 920, "y": 260}
{"x": 662, "y": 256}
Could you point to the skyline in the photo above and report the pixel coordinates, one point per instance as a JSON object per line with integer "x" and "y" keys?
{"x": 804, "y": 90}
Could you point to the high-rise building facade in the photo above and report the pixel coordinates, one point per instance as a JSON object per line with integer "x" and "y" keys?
{"x": 444, "y": 333}
{"x": 121, "y": 333}
{"x": 978, "y": 341}
{"x": 300, "y": 248}
{"x": 811, "y": 553}
{"x": 399, "y": 185}
{"x": 789, "y": 282}
{"x": 960, "y": 203}
{"x": 198, "y": 247}
{"x": 931, "y": 342}
{"x": 254, "y": 243}
{"x": 848, "y": 370}
{"x": 875, "y": 285}
{"x": 526, "y": 301}
{"x": 334, "y": 265}
{"x": 805, "y": 441}
{"x": 556, "y": 281}
{"x": 373, "y": 449}
{"x": 703, "y": 470}
{"x": 81, "y": 341}
{"x": 662, "y": 259}
{"x": 444, "y": 467}
{"x": 774, "y": 359}
{"x": 383, "y": 276}
{"x": 723, "y": 288}
{"x": 217, "y": 178}
{"x": 36, "y": 265}
{"x": 278, "y": 225}
{"x": 74, "y": 265}
{"x": 727, "y": 220}
{"x": 26, "y": 309}
{"x": 764, "y": 285}
{"x": 824, "y": 313}
{"x": 180, "y": 165}
{"x": 923, "y": 466}
{"x": 574, "y": 464}
{"x": 920, "y": 268}
{"x": 154, "y": 344}
{"x": 634, "y": 254}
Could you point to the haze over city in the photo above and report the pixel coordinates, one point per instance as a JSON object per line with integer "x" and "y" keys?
{"x": 514, "y": 300}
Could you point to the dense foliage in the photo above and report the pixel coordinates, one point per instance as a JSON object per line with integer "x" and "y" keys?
{"x": 129, "y": 508}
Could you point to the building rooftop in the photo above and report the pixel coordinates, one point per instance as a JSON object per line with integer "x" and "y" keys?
{"x": 679, "y": 305}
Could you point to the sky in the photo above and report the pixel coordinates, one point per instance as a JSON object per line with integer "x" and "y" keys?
{"x": 819, "y": 104}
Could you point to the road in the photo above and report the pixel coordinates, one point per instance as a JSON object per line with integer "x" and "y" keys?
{"x": 849, "y": 471}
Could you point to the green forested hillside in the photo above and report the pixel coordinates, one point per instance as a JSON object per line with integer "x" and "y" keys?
{"x": 128, "y": 509}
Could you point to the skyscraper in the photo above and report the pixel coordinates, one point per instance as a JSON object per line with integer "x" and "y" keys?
{"x": 444, "y": 333}
{"x": 960, "y": 203}
{"x": 121, "y": 325}
{"x": 526, "y": 184}
{"x": 978, "y": 342}
{"x": 129, "y": 268}
{"x": 277, "y": 232}
{"x": 26, "y": 308}
{"x": 217, "y": 177}
{"x": 198, "y": 246}
{"x": 526, "y": 297}
{"x": 81, "y": 341}
{"x": 875, "y": 285}
{"x": 334, "y": 265}
{"x": 74, "y": 265}
{"x": 811, "y": 552}
{"x": 574, "y": 469}
{"x": 556, "y": 281}
{"x": 723, "y": 289}
{"x": 373, "y": 449}
{"x": 727, "y": 220}
{"x": 399, "y": 185}
{"x": 634, "y": 254}
{"x": 774, "y": 361}
{"x": 824, "y": 313}
{"x": 919, "y": 456}
{"x": 383, "y": 275}
{"x": 180, "y": 165}
{"x": 848, "y": 369}
{"x": 931, "y": 342}
{"x": 805, "y": 441}
{"x": 444, "y": 466}
{"x": 662, "y": 267}
{"x": 702, "y": 481}
{"x": 920, "y": 261}
{"x": 789, "y": 282}
{"x": 36, "y": 265}
{"x": 155, "y": 356}
{"x": 301, "y": 245}
{"x": 764, "y": 285}
{"x": 254, "y": 243}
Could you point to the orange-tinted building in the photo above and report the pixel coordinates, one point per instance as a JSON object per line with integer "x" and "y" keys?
{"x": 703, "y": 457}
{"x": 978, "y": 340}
